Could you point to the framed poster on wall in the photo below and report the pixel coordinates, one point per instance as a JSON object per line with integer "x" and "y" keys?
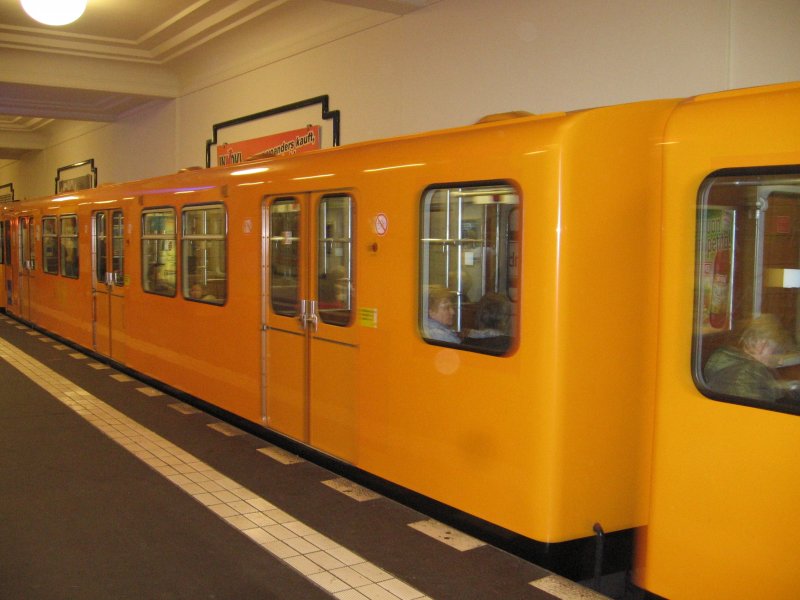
{"x": 78, "y": 176}
{"x": 7, "y": 192}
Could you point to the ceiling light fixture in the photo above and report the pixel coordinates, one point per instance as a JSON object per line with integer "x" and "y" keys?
{"x": 54, "y": 12}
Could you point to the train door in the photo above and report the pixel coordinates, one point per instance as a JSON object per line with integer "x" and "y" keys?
{"x": 3, "y": 260}
{"x": 8, "y": 278}
{"x": 27, "y": 264}
{"x": 108, "y": 291}
{"x": 310, "y": 344}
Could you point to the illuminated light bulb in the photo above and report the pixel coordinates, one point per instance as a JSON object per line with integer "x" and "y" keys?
{"x": 54, "y": 12}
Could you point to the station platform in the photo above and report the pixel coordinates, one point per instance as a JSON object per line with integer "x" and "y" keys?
{"x": 112, "y": 489}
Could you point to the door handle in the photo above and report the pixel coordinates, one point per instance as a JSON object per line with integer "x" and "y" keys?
{"x": 302, "y": 313}
{"x": 313, "y": 317}
{"x": 308, "y": 315}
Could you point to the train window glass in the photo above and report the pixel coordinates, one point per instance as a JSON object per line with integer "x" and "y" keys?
{"x": 203, "y": 253}
{"x": 334, "y": 260}
{"x": 469, "y": 255}
{"x": 50, "y": 245}
{"x": 68, "y": 243}
{"x": 284, "y": 247}
{"x": 7, "y": 243}
{"x": 2, "y": 242}
{"x": 100, "y": 249}
{"x": 117, "y": 248}
{"x": 158, "y": 251}
{"x": 747, "y": 288}
{"x": 26, "y": 254}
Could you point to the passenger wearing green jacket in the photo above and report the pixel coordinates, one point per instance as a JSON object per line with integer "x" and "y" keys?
{"x": 748, "y": 371}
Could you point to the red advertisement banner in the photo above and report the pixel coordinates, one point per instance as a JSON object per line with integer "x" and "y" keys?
{"x": 278, "y": 144}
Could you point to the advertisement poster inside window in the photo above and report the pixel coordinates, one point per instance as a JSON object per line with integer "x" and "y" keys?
{"x": 716, "y": 245}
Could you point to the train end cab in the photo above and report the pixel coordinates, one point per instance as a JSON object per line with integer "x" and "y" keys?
{"x": 723, "y": 519}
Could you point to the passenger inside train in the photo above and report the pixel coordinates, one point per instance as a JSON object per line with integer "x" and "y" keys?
{"x": 441, "y": 313}
{"x": 492, "y": 320}
{"x": 199, "y": 292}
{"x": 748, "y": 370}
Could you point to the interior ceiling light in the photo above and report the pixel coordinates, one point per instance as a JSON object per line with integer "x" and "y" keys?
{"x": 54, "y": 12}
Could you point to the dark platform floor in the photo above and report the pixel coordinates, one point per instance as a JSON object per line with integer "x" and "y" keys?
{"x": 110, "y": 489}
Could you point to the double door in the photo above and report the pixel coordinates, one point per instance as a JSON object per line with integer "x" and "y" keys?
{"x": 310, "y": 342}
{"x": 26, "y": 267}
{"x": 108, "y": 283}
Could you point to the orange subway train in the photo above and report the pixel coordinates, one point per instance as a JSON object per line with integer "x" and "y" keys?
{"x": 573, "y": 329}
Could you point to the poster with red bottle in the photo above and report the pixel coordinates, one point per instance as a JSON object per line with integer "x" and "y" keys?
{"x": 717, "y": 269}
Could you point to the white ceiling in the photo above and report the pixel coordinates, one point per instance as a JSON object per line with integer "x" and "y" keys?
{"x": 124, "y": 54}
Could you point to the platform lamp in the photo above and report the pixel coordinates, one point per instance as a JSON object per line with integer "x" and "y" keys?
{"x": 54, "y": 12}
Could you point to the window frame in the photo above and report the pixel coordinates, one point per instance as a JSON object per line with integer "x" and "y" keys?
{"x": 697, "y": 363}
{"x": 504, "y": 272}
{"x": 100, "y": 241}
{"x": 50, "y": 239}
{"x": 158, "y": 237}
{"x": 276, "y": 241}
{"x": 117, "y": 261}
{"x": 188, "y": 238}
{"x": 73, "y": 238}
{"x": 325, "y": 244}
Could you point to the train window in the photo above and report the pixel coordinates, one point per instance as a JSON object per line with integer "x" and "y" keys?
{"x": 27, "y": 257}
{"x": 284, "y": 251}
{"x": 68, "y": 243}
{"x": 334, "y": 260}
{"x": 100, "y": 247}
{"x": 158, "y": 251}
{"x": 469, "y": 255}
{"x": 203, "y": 253}
{"x": 747, "y": 288}
{"x": 117, "y": 248}
{"x": 7, "y": 243}
{"x": 2, "y": 242}
{"x": 50, "y": 245}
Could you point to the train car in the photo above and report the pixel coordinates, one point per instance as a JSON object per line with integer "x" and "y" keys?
{"x": 318, "y": 281}
{"x": 723, "y": 521}
{"x": 496, "y": 317}
{"x": 5, "y": 251}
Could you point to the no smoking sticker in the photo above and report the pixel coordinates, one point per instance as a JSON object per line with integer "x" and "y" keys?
{"x": 381, "y": 224}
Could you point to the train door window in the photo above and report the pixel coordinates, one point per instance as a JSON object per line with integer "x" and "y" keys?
{"x": 469, "y": 255}
{"x": 100, "y": 244}
{"x": 50, "y": 245}
{"x": 159, "y": 246}
{"x": 334, "y": 260}
{"x": 284, "y": 249}
{"x": 26, "y": 253}
{"x": 118, "y": 248}
{"x": 747, "y": 288}
{"x": 7, "y": 243}
{"x": 68, "y": 243}
{"x": 203, "y": 253}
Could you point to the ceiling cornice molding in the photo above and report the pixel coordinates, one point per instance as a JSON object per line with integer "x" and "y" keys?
{"x": 21, "y": 123}
{"x": 185, "y": 31}
{"x": 24, "y": 67}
